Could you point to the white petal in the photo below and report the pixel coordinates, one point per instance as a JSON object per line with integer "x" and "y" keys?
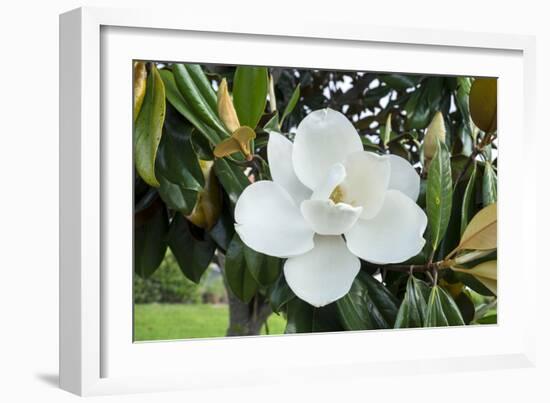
{"x": 367, "y": 179}
{"x": 336, "y": 174}
{"x": 323, "y": 138}
{"x": 279, "y": 155}
{"x": 404, "y": 177}
{"x": 394, "y": 235}
{"x": 327, "y": 218}
{"x": 323, "y": 274}
{"x": 268, "y": 221}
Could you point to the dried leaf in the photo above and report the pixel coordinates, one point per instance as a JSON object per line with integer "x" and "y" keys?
{"x": 226, "y": 109}
{"x": 140, "y": 85}
{"x": 208, "y": 207}
{"x": 485, "y": 272}
{"x": 481, "y": 232}
{"x": 238, "y": 142}
{"x": 483, "y": 103}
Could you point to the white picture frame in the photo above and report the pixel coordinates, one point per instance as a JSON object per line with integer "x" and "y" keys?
{"x": 96, "y": 354}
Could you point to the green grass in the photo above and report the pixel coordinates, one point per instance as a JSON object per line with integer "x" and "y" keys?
{"x": 179, "y": 321}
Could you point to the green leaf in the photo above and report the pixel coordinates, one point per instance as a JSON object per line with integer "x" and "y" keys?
{"x": 488, "y": 320}
{"x": 177, "y": 100}
{"x": 489, "y": 184}
{"x": 250, "y": 94}
{"x": 203, "y": 85}
{"x": 304, "y": 318}
{"x": 462, "y": 98}
{"x": 439, "y": 194}
{"x": 466, "y": 307}
{"x": 291, "y": 103}
{"x": 148, "y": 127}
{"x": 272, "y": 125}
{"x": 265, "y": 269}
{"x": 280, "y": 294}
{"x": 424, "y": 102}
{"x": 231, "y": 177}
{"x": 201, "y": 145}
{"x": 467, "y": 205}
{"x": 144, "y": 195}
{"x": 442, "y": 310}
{"x": 177, "y": 197}
{"x": 222, "y": 232}
{"x": 418, "y": 112}
{"x": 177, "y": 160}
{"x": 473, "y": 283}
{"x": 195, "y": 98}
{"x": 192, "y": 247}
{"x": 412, "y": 312}
{"x": 368, "y": 305}
{"x": 150, "y": 236}
{"x": 239, "y": 279}
{"x": 399, "y": 82}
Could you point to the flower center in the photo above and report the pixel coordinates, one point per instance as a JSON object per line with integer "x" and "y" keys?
{"x": 337, "y": 195}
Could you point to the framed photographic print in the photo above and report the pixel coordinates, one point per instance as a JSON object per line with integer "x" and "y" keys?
{"x": 261, "y": 195}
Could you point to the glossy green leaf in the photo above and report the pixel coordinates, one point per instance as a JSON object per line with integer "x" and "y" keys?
{"x": 148, "y": 127}
{"x": 412, "y": 312}
{"x": 203, "y": 85}
{"x": 272, "y": 125}
{"x": 489, "y": 184}
{"x": 231, "y": 177}
{"x": 176, "y": 158}
{"x": 488, "y": 320}
{"x": 304, "y": 318}
{"x": 222, "y": 232}
{"x": 238, "y": 277}
{"x": 177, "y": 197}
{"x": 465, "y": 139}
{"x": 462, "y": 98}
{"x": 196, "y": 99}
{"x": 466, "y": 307}
{"x": 291, "y": 103}
{"x": 177, "y": 100}
{"x": 399, "y": 82}
{"x": 418, "y": 112}
{"x": 144, "y": 195}
{"x": 368, "y": 305}
{"x": 250, "y": 86}
{"x": 467, "y": 203}
{"x": 473, "y": 283}
{"x": 150, "y": 239}
{"x": 439, "y": 195}
{"x": 424, "y": 102}
{"x": 265, "y": 269}
{"x": 441, "y": 309}
{"x": 201, "y": 145}
{"x": 280, "y": 294}
{"x": 192, "y": 247}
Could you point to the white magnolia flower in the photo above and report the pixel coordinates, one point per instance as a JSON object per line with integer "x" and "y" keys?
{"x": 325, "y": 186}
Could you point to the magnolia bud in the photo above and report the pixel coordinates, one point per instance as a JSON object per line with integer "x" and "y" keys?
{"x": 434, "y": 133}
